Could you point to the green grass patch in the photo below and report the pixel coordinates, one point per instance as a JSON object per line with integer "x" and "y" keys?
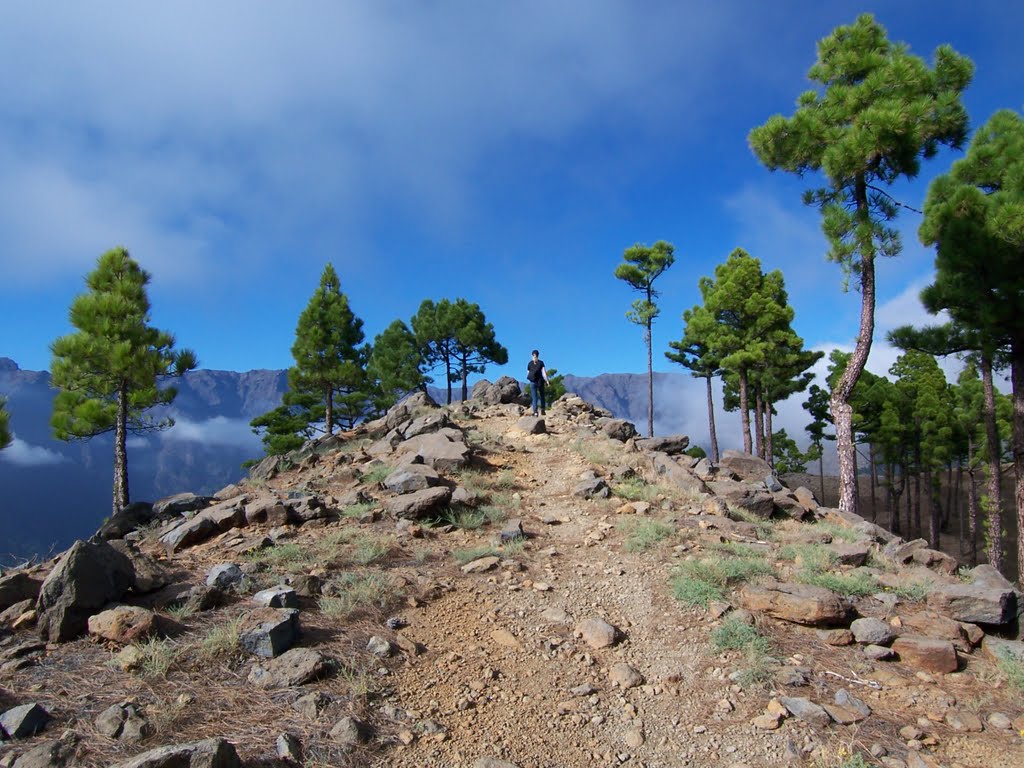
{"x": 221, "y": 639}
{"x": 466, "y": 518}
{"x": 494, "y": 514}
{"x": 838, "y": 532}
{"x": 643, "y": 533}
{"x": 698, "y": 582}
{"x": 289, "y": 557}
{"x": 352, "y": 592}
{"x": 736, "y": 549}
{"x": 737, "y": 635}
{"x": 1012, "y": 667}
{"x": 635, "y": 489}
{"x": 914, "y": 592}
{"x": 158, "y": 656}
{"x": 464, "y": 556}
{"x": 813, "y": 557}
{"x": 765, "y": 528}
{"x": 358, "y": 510}
{"x": 369, "y": 548}
{"x": 854, "y": 584}
{"x": 376, "y": 474}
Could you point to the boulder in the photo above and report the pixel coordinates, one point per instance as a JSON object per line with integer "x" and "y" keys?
{"x": 88, "y": 576}
{"x": 127, "y": 624}
{"x": 56, "y": 753}
{"x": 505, "y": 390}
{"x": 672, "y": 473}
{"x": 797, "y": 603}
{"x": 412, "y": 477}
{"x": 974, "y": 603}
{"x": 926, "y": 653}
{"x": 855, "y": 553}
{"x": 444, "y": 450}
{"x": 292, "y": 668}
{"x": 223, "y": 575}
{"x": 787, "y": 505}
{"x": 16, "y": 587}
{"x": 277, "y": 597}
{"x": 937, "y": 561}
{"x": 132, "y": 517}
{"x": 745, "y": 466}
{"x": 930, "y": 624}
{"x": 593, "y": 488}
{"x": 903, "y": 551}
{"x": 180, "y": 503}
{"x": 421, "y": 425}
{"x": 806, "y": 498}
{"x": 617, "y": 429}
{"x": 418, "y": 504}
{"x": 872, "y": 632}
{"x": 750, "y": 498}
{"x": 269, "y": 632}
{"x": 209, "y": 753}
{"x": 597, "y": 633}
{"x": 806, "y": 710}
{"x": 532, "y": 425}
{"x": 672, "y": 445}
{"x": 187, "y": 533}
{"x": 266, "y": 509}
{"x": 149, "y": 574}
{"x": 351, "y": 731}
{"x": 24, "y": 722}
{"x": 403, "y": 411}
{"x": 304, "y": 507}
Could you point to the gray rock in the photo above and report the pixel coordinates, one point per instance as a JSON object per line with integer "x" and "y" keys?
{"x": 671, "y": 472}
{"x": 312, "y": 704}
{"x": 855, "y": 554}
{"x": 57, "y": 753}
{"x": 289, "y": 748}
{"x": 379, "y": 646}
{"x": 493, "y": 762}
{"x": 209, "y": 753}
{"x": 617, "y": 429}
{"x": 974, "y": 603}
{"x": 596, "y": 632}
{"x": 532, "y": 425}
{"x": 412, "y": 477}
{"x": 625, "y": 676}
{"x": 512, "y": 530}
{"x": 422, "y": 425}
{"x": 673, "y": 445}
{"x": 298, "y": 666}
{"x": 269, "y": 632}
{"x": 132, "y": 517}
{"x": 305, "y": 585}
{"x": 505, "y": 390}
{"x": 306, "y": 507}
{"x": 744, "y": 465}
{"x": 879, "y": 652}
{"x": 806, "y": 710}
{"x": 181, "y": 503}
{"x": 88, "y": 576}
{"x": 754, "y": 500}
{"x": 149, "y": 574}
{"x": 771, "y": 482}
{"x": 903, "y": 551}
{"x": 872, "y": 632}
{"x": 595, "y": 488}
{"x": 481, "y": 564}
{"x": 444, "y": 450}
{"x": 277, "y": 597}
{"x": 798, "y": 603}
{"x": 24, "y": 721}
{"x": 846, "y": 699}
{"x": 351, "y": 731}
{"x": 418, "y": 504}
{"x": 223, "y": 575}
{"x": 124, "y": 722}
{"x": 187, "y": 533}
{"x": 16, "y": 587}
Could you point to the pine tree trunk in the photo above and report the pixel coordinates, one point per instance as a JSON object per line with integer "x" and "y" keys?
{"x": 972, "y": 512}
{"x": 948, "y": 511}
{"x": 329, "y": 409}
{"x": 769, "y": 445}
{"x": 744, "y": 412}
{"x": 121, "y": 451}
{"x": 932, "y": 509}
{"x": 993, "y": 487}
{"x": 909, "y": 490}
{"x": 917, "y": 499}
{"x": 711, "y": 424}
{"x": 465, "y": 379}
{"x": 650, "y": 382}
{"x": 842, "y": 412}
{"x": 874, "y": 482}
{"x": 448, "y": 376}
{"x": 1017, "y": 379}
{"x": 891, "y": 499}
{"x": 759, "y": 423}
{"x": 821, "y": 474}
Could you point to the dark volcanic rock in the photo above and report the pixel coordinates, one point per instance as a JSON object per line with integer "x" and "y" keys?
{"x": 210, "y": 753}
{"x": 16, "y": 587}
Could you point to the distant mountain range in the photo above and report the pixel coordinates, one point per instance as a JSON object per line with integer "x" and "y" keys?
{"x": 54, "y": 492}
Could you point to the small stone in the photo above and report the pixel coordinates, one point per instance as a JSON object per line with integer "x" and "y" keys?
{"x": 555, "y": 616}
{"x": 493, "y": 762}
{"x": 541, "y": 586}
{"x": 927, "y": 654}
{"x": 879, "y": 652}
{"x": 277, "y": 597}
{"x": 767, "y": 722}
{"x": 350, "y": 731}
{"x": 24, "y": 721}
{"x": 223, "y": 575}
{"x": 506, "y": 639}
{"x": 872, "y": 632}
{"x": 963, "y": 721}
{"x": 596, "y": 632}
{"x": 999, "y": 721}
{"x": 806, "y": 710}
{"x": 625, "y": 676}
{"x": 481, "y": 564}
{"x": 379, "y": 646}
{"x": 634, "y": 738}
{"x": 847, "y": 700}
{"x": 129, "y": 659}
{"x": 312, "y": 704}
{"x": 406, "y": 737}
{"x": 836, "y": 637}
{"x": 911, "y": 733}
{"x": 289, "y": 748}
{"x": 583, "y": 690}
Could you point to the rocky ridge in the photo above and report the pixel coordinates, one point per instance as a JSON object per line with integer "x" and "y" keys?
{"x": 472, "y": 586}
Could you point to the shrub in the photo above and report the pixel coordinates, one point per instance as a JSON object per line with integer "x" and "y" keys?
{"x": 697, "y": 582}
{"x": 1012, "y": 666}
{"x": 737, "y": 635}
{"x": 856, "y": 584}
{"x": 375, "y": 474}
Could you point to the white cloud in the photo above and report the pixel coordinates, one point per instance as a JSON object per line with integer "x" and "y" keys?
{"x": 23, "y": 454}
{"x": 218, "y": 431}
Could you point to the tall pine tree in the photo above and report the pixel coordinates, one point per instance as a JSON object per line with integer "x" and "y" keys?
{"x": 692, "y": 352}
{"x": 641, "y": 266}
{"x": 329, "y": 358}
{"x": 975, "y": 217}
{"x": 396, "y": 365}
{"x": 875, "y": 113}
{"x": 109, "y": 370}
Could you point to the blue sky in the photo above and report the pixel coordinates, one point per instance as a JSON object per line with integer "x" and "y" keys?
{"x": 502, "y": 152}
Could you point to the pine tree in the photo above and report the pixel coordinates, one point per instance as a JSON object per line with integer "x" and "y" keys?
{"x": 109, "y": 370}
{"x": 641, "y": 266}
{"x": 287, "y": 427}
{"x": 456, "y": 337}
{"x": 693, "y": 353}
{"x": 751, "y": 316}
{"x": 5, "y": 428}
{"x": 817, "y": 407}
{"x": 877, "y": 111}
{"x": 395, "y": 365}
{"x": 328, "y": 357}
{"x": 975, "y": 217}
{"x": 787, "y": 457}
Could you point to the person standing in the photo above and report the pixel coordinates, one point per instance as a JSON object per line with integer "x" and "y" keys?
{"x": 537, "y": 375}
